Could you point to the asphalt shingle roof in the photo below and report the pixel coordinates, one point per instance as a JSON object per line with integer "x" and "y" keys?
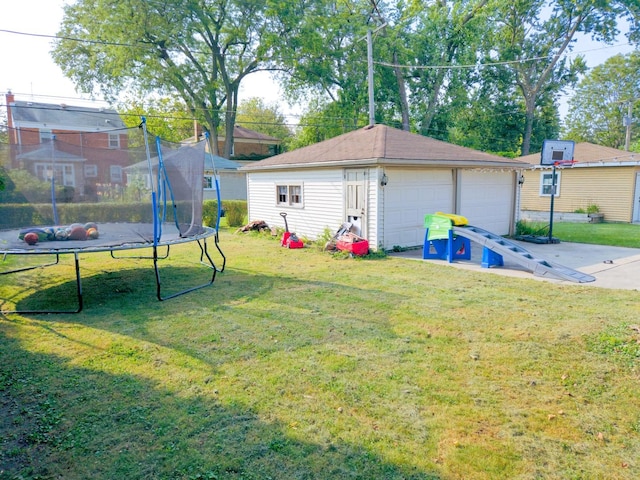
{"x": 71, "y": 117}
{"x": 585, "y": 152}
{"x": 380, "y": 144}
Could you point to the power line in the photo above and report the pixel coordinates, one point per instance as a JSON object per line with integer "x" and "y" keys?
{"x": 491, "y": 64}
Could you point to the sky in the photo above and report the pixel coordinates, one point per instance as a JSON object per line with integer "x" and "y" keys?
{"x": 30, "y": 73}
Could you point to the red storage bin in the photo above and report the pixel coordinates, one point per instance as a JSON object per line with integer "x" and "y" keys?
{"x": 357, "y": 248}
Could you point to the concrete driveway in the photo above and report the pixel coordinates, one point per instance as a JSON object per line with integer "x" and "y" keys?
{"x": 613, "y": 267}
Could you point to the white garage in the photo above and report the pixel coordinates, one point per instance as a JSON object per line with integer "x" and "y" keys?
{"x": 382, "y": 180}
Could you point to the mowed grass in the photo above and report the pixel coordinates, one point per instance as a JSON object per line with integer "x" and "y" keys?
{"x": 297, "y": 364}
{"x": 616, "y": 234}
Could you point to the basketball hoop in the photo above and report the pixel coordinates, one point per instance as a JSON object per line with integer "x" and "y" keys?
{"x": 564, "y": 163}
{"x": 555, "y": 152}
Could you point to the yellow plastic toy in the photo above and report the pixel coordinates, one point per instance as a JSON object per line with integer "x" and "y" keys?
{"x": 457, "y": 220}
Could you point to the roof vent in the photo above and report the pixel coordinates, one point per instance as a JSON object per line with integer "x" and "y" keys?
{"x": 369, "y": 127}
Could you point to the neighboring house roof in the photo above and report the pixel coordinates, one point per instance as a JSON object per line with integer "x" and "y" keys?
{"x": 590, "y": 154}
{"x": 220, "y": 163}
{"x": 64, "y": 117}
{"x": 242, "y": 133}
{"x": 380, "y": 144}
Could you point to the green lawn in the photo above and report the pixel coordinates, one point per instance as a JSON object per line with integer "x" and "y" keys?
{"x": 297, "y": 364}
{"x": 616, "y": 234}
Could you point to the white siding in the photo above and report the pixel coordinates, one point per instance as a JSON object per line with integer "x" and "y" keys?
{"x": 486, "y": 199}
{"x": 322, "y": 196}
{"x": 408, "y": 197}
{"x": 233, "y": 186}
{"x": 373, "y": 210}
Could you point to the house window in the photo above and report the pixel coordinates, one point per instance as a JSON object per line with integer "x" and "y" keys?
{"x": 114, "y": 140}
{"x": 289, "y": 195}
{"x": 63, "y": 173}
{"x": 46, "y": 135}
{"x": 116, "y": 173}
{"x": 546, "y": 184}
{"x": 210, "y": 182}
{"x": 91, "y": 171}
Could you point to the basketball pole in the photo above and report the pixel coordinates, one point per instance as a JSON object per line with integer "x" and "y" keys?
{"x": 553, "y": 194}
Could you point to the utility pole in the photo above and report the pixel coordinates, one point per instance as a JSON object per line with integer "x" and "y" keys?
{"x": 372, "y": 108}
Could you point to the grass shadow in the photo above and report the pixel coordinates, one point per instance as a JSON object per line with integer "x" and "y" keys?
{"x": 60, "y": 420}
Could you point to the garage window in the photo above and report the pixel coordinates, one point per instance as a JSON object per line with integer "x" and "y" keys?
{"x": 546, "y": 184}
{"x": 289, "y": 195}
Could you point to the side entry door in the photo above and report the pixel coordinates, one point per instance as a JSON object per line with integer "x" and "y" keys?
{"x": 356, "y": 182}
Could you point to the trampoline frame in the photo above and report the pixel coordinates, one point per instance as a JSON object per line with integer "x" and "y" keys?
{"x": 200, "y": 239}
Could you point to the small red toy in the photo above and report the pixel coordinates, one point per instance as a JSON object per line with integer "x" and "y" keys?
{"x": 289, "y": 240}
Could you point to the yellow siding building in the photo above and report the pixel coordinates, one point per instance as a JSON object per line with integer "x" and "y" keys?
{"x": 601, "y": 176}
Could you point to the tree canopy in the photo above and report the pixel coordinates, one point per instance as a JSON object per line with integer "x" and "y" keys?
{"x": 256, "y": 115}
{"x": 198, "y": 49}
{"x": 601, "y": 101}
{"x": 482, "y": 73}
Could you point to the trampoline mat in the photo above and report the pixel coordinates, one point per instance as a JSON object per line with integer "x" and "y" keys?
{"x": 112, "y": 236}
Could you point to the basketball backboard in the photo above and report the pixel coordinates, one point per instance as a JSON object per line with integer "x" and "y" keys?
{"x": 556, "y": 151}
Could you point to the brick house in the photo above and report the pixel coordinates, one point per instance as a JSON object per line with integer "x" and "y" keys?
{"x": 85, "y": 149}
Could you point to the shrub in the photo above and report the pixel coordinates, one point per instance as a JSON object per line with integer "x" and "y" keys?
{"x": 210, "y": 213}
{"x": 235, "y": 212}
{"x": 524, "y": 227}
{"x": 593, "y": 208}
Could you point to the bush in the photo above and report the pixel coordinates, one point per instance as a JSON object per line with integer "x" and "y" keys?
{"x": 210, "y": 213}
{"x": 523, "y": 227}
{"x": 593, "y": 209}
{"x": 235, "y": 212}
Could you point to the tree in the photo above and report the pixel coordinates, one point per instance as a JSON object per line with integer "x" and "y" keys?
{"x": 444, "y": 36}
{"x": 199, "y": 49}
{"x": 321, "y": 122}
{"x": 533, "y": 36}
{"x": 260, "y": 117}
{"x": 168, "y": 118}
{"x": 602, "y": 99}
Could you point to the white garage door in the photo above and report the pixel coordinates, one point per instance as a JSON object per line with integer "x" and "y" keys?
{"x": 408, "y": 197}
{"x": 486, "y": 199}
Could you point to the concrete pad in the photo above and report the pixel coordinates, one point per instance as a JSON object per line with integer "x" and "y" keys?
{"x": 613, "y": 267}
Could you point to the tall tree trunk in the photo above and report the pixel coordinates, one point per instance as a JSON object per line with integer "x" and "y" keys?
{"x": 530, "y": 102}
{"x": 230, "y": 120}
{"x": 402, "y": 92}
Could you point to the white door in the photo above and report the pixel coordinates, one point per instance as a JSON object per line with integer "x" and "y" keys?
{"x": 636, "y": 201}
{"x": 356, "y": 200}
{"x": 408, "y": 196}
{"x": 486, "y": 199}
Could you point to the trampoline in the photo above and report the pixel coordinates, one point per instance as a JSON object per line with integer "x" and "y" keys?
{"x": 115, "y": 190}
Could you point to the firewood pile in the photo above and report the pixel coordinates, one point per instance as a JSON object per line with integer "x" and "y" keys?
{"x": 257, "y": 225}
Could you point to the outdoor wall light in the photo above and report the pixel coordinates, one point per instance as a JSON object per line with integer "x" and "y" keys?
{"x": 384, "y": 180}
{"x": 521, "y": 180}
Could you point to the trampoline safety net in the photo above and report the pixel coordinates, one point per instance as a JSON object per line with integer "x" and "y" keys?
{"x": 149, "y": 189}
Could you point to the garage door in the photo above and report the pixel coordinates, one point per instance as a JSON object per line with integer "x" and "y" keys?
{"x": 486, "y": 199}
{"x": 408, "y": 196}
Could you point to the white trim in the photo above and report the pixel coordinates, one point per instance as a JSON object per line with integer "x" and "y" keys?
{"x": 542, "y": 184}
{"x": 115, "y": 174}
{"x": 210, "y": 181}
{"x": 90, "y": 171}
{"x": 288, "y": 199}
{"x": 65, "y": 171}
